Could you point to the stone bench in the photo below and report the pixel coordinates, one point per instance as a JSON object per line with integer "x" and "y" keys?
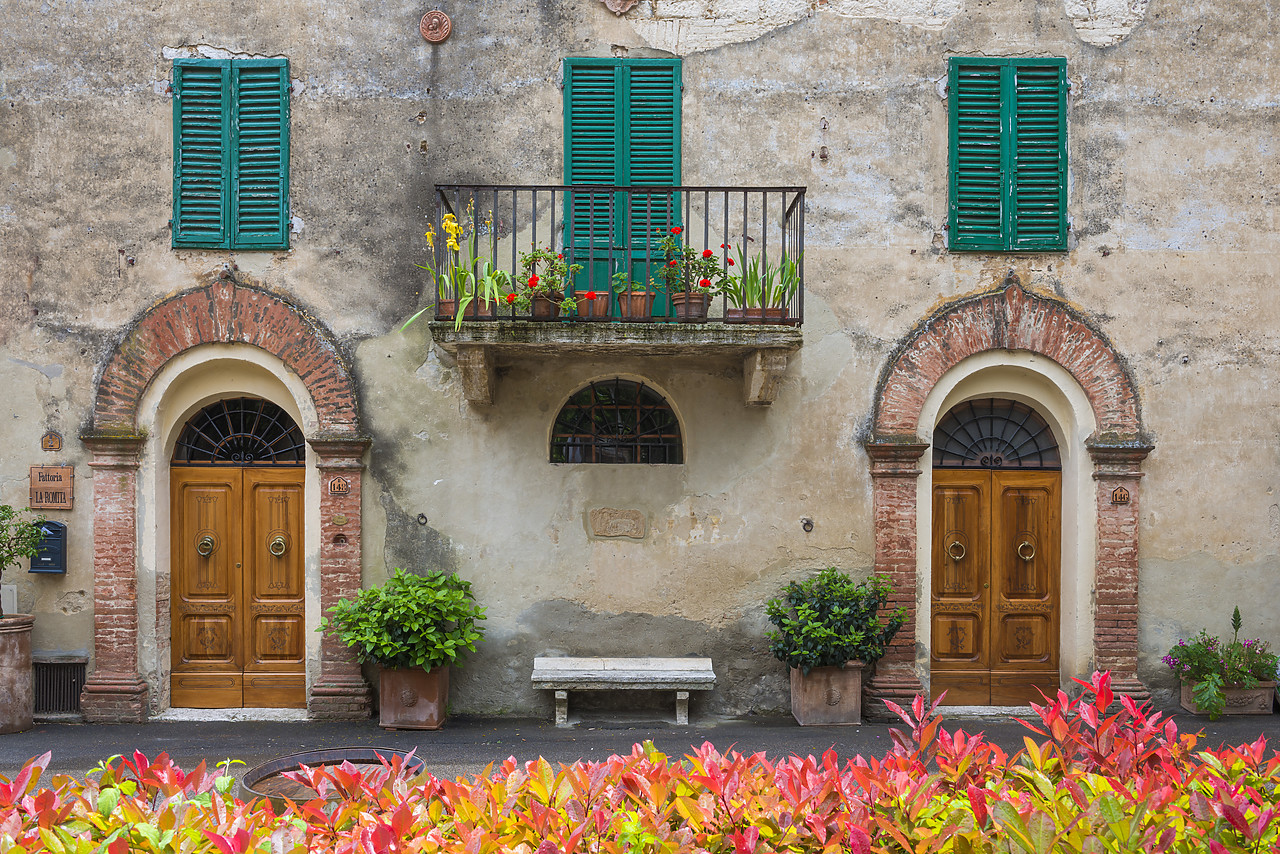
{"x": 681, "y": 675}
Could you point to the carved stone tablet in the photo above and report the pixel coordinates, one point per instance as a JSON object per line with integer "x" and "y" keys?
{"x": 619, "y": 7}
{"x": 608, "y": 522}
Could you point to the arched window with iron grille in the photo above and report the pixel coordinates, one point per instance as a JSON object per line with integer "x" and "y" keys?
{"x": 994, "y": 433}
{"x": 241, "y": 431}
{"x": 616, "y": 421}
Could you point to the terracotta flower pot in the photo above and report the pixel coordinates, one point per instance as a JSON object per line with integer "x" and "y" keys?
{"x": 690, "y": 306}
{"x": 636, "y": 306}
{"x": 17, "y": 691}
{"x": 755, "y": 315}
{"x": 827, "y": 696}
{"x": 447, "y": 309}
{"x": 546, "y": 308}
{"x": 1240, "y": 701}
{"x": 412, "y": 698}
{"x": 594, "y": 309}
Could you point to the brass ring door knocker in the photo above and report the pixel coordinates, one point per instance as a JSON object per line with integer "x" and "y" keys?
{"x": 951, "y": 550}
{"x": 277, "y": 545}
{"x": 1026, "y": 545}
{"x": 204, "y": 546}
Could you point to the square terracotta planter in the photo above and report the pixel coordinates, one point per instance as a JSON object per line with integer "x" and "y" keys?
{"x": 827, "y": 696}
{"x": 413, "y": 698}
{"x": 1240, "y": 701}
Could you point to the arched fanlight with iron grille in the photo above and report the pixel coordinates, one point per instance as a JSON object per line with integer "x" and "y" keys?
{"x": 242, "y": 431}
{"x": 616, "y": 421}
{"x": 994, "y": 433}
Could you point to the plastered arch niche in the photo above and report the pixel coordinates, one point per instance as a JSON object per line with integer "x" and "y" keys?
{"x": 1048, "y": 388}
{"x": 185, "y": 385}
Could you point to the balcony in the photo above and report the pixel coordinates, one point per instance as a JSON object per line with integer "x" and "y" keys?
{"x": 609, "y": 270}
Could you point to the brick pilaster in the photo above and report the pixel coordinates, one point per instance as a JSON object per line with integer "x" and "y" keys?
{"x": 114, "y": 692}
{"x": 895, "y": 465}
{"x": 1115, "y": 620}
{"x": 340, "y": 692}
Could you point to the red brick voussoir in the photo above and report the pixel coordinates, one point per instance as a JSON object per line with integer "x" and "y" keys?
{"x": 225, "y": 312}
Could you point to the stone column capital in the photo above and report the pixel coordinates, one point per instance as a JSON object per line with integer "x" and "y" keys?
{"x": 114, "y": 450}
{"x": 895, "y": 456}
{"x": 334, "y": 452}
{"x": 1118, "y": 456}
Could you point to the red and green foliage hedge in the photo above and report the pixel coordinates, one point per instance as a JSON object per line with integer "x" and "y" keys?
{"x": 1092, "y": 782}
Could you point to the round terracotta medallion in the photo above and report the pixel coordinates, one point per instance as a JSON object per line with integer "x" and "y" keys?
{"x": 435, "y": 26}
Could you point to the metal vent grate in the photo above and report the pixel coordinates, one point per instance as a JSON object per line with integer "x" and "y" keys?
{"x": 58, "y": 684}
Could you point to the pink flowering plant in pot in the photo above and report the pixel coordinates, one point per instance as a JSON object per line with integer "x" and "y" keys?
{"x": 1210, "y": 666}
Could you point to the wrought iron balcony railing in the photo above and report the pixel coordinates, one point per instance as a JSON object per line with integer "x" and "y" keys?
{"x": 610, "y": 254}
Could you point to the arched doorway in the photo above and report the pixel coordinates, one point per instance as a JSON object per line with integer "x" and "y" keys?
{"x": 1004, "y": 335}
{"x": 995, "y": 576}
{"x": 236, "y": 565}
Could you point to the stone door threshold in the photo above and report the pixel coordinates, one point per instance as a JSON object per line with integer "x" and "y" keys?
{"x": 170, "y": 715}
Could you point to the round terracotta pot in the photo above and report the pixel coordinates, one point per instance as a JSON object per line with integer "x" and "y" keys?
{"x": 691, "y": 307}
{"x": 545, "y": 308}
{"x": 447, "y": 309}
{"x": 594, "y": 309}
{"x": 17, "y": 691}
{"x": 636, "y": 306}
{"x": 755, "y": 315}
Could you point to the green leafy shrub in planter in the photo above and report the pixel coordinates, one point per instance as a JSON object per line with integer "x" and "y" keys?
{"x": 19, "y": 537}
{"x": 1209, "y": 665}
{"x": 425, "y": 621}
{"x": 828, "y": 620}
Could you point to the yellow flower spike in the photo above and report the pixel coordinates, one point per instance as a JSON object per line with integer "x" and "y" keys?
{"x": 453, "y": 244}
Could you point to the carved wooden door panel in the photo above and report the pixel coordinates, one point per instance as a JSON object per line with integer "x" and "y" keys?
{"x": 995, "y": 577}
{"x": 237, "y": 587}
{"x": 1025, "y": 573}
{"x": 274, "y": 622}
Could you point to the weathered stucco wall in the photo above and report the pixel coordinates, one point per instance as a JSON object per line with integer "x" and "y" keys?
{"x": 1173, "y": 176}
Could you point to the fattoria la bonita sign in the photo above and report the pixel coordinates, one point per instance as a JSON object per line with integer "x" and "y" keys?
{"x": 52, "y": 487}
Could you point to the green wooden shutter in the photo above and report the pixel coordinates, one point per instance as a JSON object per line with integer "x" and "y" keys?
{"x": 1039, "y": 152}
{"x": 977, "y": 156}
{"x": 651, "y": 96}
{"x": 593, "y": 129}
{"x": 1008, "y": 154}
{"x": 260, "y": 182}
{"x": 201, "y": 161}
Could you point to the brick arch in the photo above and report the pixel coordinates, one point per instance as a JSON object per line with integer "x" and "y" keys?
{"x": 1008, "y": 319}
{"x": 225, "y": 312}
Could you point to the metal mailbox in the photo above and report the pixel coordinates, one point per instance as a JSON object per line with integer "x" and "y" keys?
{"x": 51, "y": 554}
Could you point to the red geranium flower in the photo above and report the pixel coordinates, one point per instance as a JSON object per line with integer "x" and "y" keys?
{"x": 730, "y": 260}
{"x": 590, "y": 295}
{"x": 707, "y": 253}
{"x": 675, "y": 229}
{"x": 673, "y": 263}
{"x": 724, "y": 245}
{"x": 704, "y": 283}
{"x": 511, "y": 298}
{"x": 559, "y": 256}
{"x": 533, "y": 281}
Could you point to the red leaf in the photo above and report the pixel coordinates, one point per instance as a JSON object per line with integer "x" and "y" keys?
{"x": 859, "y": 842}
{"x": 978, "y": 801}
{"x": 1232, "y": 814}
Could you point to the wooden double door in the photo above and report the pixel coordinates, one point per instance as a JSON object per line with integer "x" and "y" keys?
{"x": 996, "y": 578}
{"x": 238, "y": 605}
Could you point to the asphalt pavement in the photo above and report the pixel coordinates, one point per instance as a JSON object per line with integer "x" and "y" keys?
{"x": 466, "y": 745}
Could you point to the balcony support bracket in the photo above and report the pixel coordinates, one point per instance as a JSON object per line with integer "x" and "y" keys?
{"x": 762, "y": 372}
{"x": 479, "y": 375}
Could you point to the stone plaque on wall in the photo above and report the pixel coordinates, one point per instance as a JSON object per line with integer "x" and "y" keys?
{"x": 608, "y": 522}
{"x": 51, "y": 487}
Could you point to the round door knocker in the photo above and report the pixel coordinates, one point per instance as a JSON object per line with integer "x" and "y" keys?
{"x": 1026, "y": 545}
{"x": 951, "y": 550}
{"x": 277, "y": 545}
{"x": 204, "y": 546}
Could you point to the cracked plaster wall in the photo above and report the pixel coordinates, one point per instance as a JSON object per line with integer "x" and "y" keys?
{"x": 1172, "y": 204}
{"x": 684, "y": 27}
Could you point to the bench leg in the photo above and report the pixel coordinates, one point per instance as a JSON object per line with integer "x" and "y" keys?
{"x": 682, "y": 708}
{"x": 562, "y": 708}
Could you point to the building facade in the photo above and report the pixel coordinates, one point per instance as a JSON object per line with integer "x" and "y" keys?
{"x": 1023, "y": 367}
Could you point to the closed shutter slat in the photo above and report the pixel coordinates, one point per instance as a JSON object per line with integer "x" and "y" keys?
{"x": 977, "y": 150}
{"x": 261, "y": 188}
{"x": 1039, "y": 129}
{"x": 200, "y": 155}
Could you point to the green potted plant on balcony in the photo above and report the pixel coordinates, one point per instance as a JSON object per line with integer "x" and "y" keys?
{"x": 1235, "y": 678}
{"x": 829, "y": 629}
{"x": 414, "y": 627}
{"x": 543, "y": 288}
{"x": 467, "y": 285}
{"x": 689, "y": 277}
{"x": 761, "y": 291}
{"x": 19, "y": 539}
